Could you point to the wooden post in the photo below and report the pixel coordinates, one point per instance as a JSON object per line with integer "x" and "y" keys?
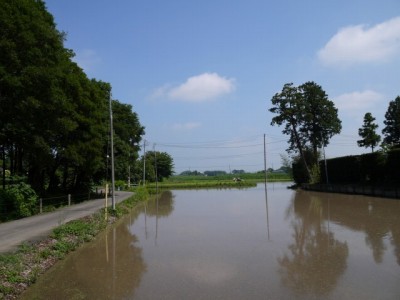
{"x": 41, "y": 205}
{"x": 69, "y": 199}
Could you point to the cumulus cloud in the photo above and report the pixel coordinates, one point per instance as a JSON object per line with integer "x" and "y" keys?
{"x": 358, "y": 101}
{"x": 186, "y": 126}
{"x": 203, "y": 87}
{"x": 362, "y": 44}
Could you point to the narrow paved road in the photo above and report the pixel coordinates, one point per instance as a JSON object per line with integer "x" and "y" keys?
{"x": 36, "y": 227}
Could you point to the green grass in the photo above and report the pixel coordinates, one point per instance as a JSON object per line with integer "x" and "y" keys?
{"x": 203, "y": 184}
{"x": 221, "y": 181}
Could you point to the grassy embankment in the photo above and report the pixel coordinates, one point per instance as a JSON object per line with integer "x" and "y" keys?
{"x": 221, "y": 181}
{"x": 20, "y": 269}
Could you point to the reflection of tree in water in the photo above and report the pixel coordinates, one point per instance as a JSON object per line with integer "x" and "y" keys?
{"x": 110, "y": 268}
{"x": 377, "y": 218}
{"x": 316, "y": 259}
{"x": 395, "y": 241}
{"x": 382, "y": 222}
{"x": 115, "y": 269}
{"x": 162, "y": 205}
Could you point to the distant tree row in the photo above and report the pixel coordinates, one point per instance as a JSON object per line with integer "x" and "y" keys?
{"x": 205, "y": 173}
{"x": 54, "y": 120}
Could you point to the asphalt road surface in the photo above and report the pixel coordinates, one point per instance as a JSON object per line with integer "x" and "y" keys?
{"x": 37, "y": 227}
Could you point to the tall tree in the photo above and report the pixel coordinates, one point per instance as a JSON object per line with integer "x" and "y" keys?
{"x": 310, "y": 119}
{"x": 392, "y": 122}
{"x": 321, "y": 120}
{"x": 288, "y": 107}
{"x": 158, "y": 164}
{"x": 31, "y": 50}
{"x": 128, "y": 133}
{"x": 368, "y": 133}
{"x": 53, "y": 118}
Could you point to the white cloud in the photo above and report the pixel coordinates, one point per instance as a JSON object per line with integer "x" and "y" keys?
{"x": 358, "y": 101}
{"x": 186, "y": 126}
{"x": 360, "y": 44}
{"x": 200, "y": 88}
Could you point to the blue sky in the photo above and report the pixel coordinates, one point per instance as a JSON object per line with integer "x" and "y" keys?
{"x": 201, "y": 74}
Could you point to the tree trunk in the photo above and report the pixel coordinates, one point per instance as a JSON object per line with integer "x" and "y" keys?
{"x": 300, "y": 147}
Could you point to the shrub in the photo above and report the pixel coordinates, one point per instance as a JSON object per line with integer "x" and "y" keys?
{"x": 120, "y": 184}
{"x": 18, "y": 201}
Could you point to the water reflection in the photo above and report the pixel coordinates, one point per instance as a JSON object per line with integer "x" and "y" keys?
{"x": 316, "y": 259}
{"x": 111, "y": 267}
{"x": 266, "y": 207}
{"x": 163, "y": 206}
{"x": 376, "y": 217}
{"x": 240, "y": 244}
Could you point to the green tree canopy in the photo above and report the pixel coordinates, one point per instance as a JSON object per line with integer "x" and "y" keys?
{"x": 159, "y": 165}
{"x": 128, "y": 133}
{"x": 368, "y": 133}
{"x": 54, "y": 120}
{"x": 391, "y": 131}
{"x": 309, "y": 117}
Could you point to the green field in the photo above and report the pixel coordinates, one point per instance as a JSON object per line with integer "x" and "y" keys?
{"x": 220, "y": 181}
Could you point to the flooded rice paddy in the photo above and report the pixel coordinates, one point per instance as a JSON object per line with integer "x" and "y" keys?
{"x": 239, "y": 244}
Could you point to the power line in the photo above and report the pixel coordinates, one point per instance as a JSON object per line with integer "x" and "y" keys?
{"x": 207, "y": 146}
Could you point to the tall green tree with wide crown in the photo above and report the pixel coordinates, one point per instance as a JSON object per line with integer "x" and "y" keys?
{"x": 309, "y": 117}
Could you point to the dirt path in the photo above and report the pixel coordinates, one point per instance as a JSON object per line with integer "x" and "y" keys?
{"x": 36, "y": 227}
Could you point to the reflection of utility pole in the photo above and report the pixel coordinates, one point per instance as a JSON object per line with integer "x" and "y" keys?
{"x": 265, "y": 184}
{"x": 266, "y": 205}
{"x": 155, "y": 241}
{"x": 114, "y": 267}
{"x": 265, "y": 163}
{"x": 145, "y": 220}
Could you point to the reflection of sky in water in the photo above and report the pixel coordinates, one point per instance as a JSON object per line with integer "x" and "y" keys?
{"x": 210, "y": 244}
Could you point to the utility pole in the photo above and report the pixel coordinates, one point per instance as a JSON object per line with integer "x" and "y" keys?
{"x": 326, "y": 166}
{"x": 155, "y": 165}
{"x": 144, "y": 162}
{"x": 112, "y": 155}
{"x": 129, "y": 163}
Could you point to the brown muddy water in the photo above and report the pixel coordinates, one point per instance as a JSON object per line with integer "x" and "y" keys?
{"x": 238, "y": 244}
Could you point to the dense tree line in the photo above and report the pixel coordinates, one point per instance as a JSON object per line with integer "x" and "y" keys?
{"x": 54, "y": 120}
